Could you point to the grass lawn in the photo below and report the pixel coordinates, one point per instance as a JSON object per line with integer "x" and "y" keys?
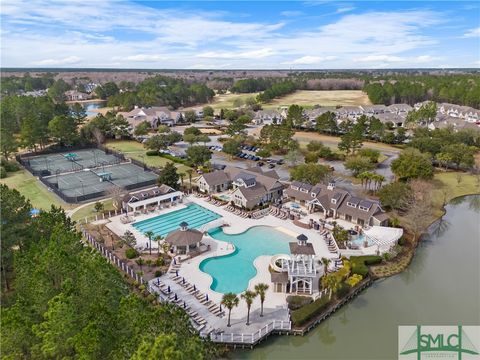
{"x": 33, "y": 190}
{"x": 448, "y": 184}
{"x": 308, "y": 98}
{"x": 224, "y": 101}
{"x": 135, "y": 150}
{"x": 89, "y": 210}
{"x": 304, "y": 138}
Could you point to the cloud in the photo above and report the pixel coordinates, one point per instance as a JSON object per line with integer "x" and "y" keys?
{"x": 382, "y": 58}
{"x": 144, "y": 58}
{"x": 472, "y": 33}
{"x": 253, "y": 54}
{"x": 292, "y": 13}
{"x": 124, "y": 34}
{"x": 308, "y": 60}
{"x": 345, "y": 9}
{"x": 70, "y": 60}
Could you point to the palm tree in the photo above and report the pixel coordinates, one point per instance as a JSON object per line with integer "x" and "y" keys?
{"x": 182, "y": 176}
{"x": 165, "y": 247}
{"x": 325, "y": 262}
{"x": 380, "y": 179}
{"x": 158, "y": 238}
{"x": 260, "y": 289}
{"x": 140, "y": 262}
{"x": 190, "y": 172}
{"x": 248, "y": 296}
{"x": 230, "y": 300}
{"x": 150, "y": 235}
{"x": 330, "y": 282}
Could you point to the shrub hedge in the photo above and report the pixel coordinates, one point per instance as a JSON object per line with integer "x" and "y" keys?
{"x": 296, "y": 302}
{"x": 173, "y": 158}
{"x": 307, "y": 312}
{"x": 151, "y": 153}
{"x": 131, "y": 253}
{"x": 360, "y": 263}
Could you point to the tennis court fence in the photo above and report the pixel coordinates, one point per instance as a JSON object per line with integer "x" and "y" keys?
{"x": 43, "y": 174}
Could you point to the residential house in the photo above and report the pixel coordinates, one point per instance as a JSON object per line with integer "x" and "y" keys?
{"x": 371, "y": 110}
{"x": 349, "y": 112}
{"x": 74, "y": 95}
{"x": 155, "y": 116}
{"x": 388, "y": 117}
{"x": 337, "y": 203}
{"x": 400, "y": 109}
{"x": 248, "y": 187}
{"x": 267, "y": 117}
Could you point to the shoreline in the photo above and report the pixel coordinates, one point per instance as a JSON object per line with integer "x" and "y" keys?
{"x": 85, "y": 101}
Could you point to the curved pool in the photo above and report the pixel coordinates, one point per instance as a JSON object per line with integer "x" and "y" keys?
{"x": 232, "y": 272}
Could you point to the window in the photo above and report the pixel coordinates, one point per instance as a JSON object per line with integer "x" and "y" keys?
{"x": 313, "y": 194}
{"x": 304, "y": 191}
{"x": 351, "y": 204}
{"x": 294, "y": 187}
{"x": 363, "y": 208}
{"x": 334, "y": 201}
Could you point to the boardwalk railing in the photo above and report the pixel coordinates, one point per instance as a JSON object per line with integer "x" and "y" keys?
{"x": 114, "y": 259}
{"x": 252, "y": 338}
{"x": 100, "y": 216}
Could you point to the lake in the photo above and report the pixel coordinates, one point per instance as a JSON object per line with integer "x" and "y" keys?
{"x": 440, "y": 287}
{"x": 89, "y": 106}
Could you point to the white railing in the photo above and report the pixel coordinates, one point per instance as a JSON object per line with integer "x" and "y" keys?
{"x": 252, "y": 338}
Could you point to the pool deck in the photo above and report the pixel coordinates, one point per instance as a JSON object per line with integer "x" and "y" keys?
{"x": 275, "y": 307}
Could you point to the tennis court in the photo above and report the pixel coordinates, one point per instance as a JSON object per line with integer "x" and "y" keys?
{"x": 88, "y": 184}
{"x": 77, "y": 160}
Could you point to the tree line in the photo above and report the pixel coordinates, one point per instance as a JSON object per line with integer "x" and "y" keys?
{"x": 61, "y": 299}
{"x": 162, "y": 91}
{"x": 409, "y": 89}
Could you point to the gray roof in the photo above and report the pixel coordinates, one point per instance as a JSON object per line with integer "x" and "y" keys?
{"x": 149, "y": 193}
{"x": 216, "y": 178}
{"x": 266, "y": 179}
{"x": 306, "y": 249}
{"x": 184, "y": 237}
{"x": 248, "y": 179}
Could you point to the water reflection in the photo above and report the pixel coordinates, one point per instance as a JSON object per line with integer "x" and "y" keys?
{"x": 440, "y": 227}
{"x": 441, "y": 286}
{"x": 474, "y": 203}
{"x": 325, "y": 334}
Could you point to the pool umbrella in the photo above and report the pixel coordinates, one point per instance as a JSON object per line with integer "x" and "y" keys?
{"x": 174, "y": 261}
{"x": 169, "y": 288}
{"x": 34, "y": 212}
{"x": 176, "y": 297}
{"x": 183, "y": 280}
{"x": 184, "y": 304}
{"x": 158, "y": 281}
{"x": 220, "y": 307}
{"x": 206, "y": 297}
{"x": 194, "y": 287}
{"x": 176, "y": 272}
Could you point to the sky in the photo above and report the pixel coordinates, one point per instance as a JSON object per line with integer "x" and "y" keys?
{"x": 240, "y": 34}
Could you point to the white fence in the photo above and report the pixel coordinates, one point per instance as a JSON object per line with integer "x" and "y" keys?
{"x": 252, "y": 338}
{"x": 112, "y": 257}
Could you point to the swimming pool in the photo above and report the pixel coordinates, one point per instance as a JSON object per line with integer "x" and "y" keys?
{"x": 231, "y": 273}
{"x": 360, "y": 240}
{"x": 195, "y": 215}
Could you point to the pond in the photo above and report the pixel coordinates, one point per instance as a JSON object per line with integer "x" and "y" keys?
{"x": 92, "y": 105}
{"x": 440, "y": 287}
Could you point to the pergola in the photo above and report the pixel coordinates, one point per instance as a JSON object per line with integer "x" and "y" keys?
{"x": 184, "y": 239}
